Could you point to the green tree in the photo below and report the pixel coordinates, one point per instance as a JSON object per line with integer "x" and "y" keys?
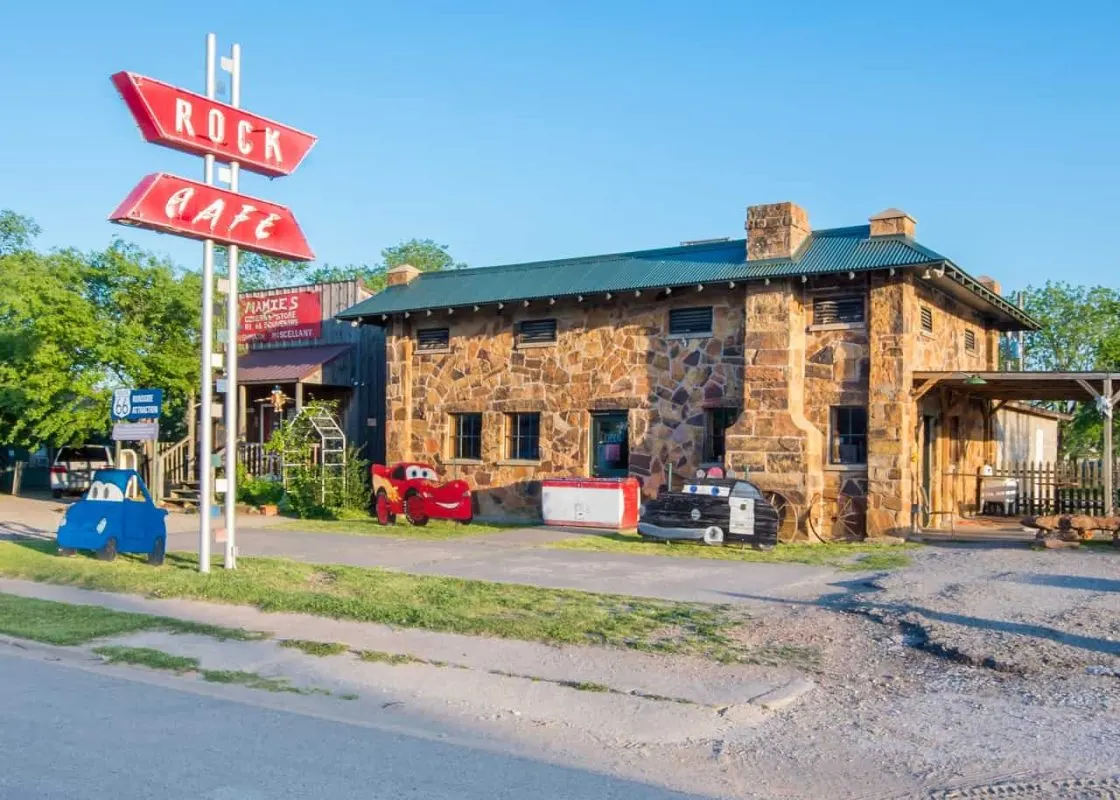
{"x": 1080, "y": 332}
{"x": 74, "y": 326}
{"x": 17, "y": 232}
{"x": 53, "y": 389}
{"x": 255, "y": 271}
{"x": 264, "y": 272}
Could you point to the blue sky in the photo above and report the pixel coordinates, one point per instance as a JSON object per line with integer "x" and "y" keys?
{"x": 525, "y": 130}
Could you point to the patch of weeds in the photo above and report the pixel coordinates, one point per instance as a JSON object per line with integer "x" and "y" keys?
{"x": 585, "y": 686}
{"x": 313, "y": 648}
{"x": 783, "y": 655}
{"x": 252, "y": 680}
{"x": 381, "y": 657}
{"x": 70, "y": 624}
{"x": 361, "y": 524}
{"x": 147, "y": 657}
{"x": 877, "y": 562}
{"x": 827, "y": 554}
{"x": 348, "y": 696}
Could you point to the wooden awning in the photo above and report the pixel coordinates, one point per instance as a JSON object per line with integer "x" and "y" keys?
{"x": 1080, "y": 386}
{"x": 287, "y": 364}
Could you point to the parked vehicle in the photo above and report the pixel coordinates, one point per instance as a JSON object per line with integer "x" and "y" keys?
{"x": 712, "y": 511}
{"x": 115, "y": 515}
{"x": 73, "y": 466}
{"x": 413, "y": 489}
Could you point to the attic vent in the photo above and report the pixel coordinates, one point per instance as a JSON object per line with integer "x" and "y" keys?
{"x": 970, "y": 340}
{"x": 536, "y": 331}
{"x": 927, "y": 319}
{"x": 433, "y": 339}
{"x": 838, "y": 310}
{"x": 697, "y": 321}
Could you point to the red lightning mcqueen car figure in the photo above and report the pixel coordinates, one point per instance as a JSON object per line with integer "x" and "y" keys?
{"x": 413, "y": 490}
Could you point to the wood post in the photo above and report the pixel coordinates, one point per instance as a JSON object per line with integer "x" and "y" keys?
{"x": 192, "y": 438}
{"x": 1108, "y": 458}
{"x": 242, "y": 405}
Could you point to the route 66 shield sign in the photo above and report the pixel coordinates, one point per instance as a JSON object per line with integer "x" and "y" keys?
{"x": 122, "y": 403}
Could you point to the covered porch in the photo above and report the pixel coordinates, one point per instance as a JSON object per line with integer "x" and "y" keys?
{"x": 956, "y": 481}
{"x": 275, "y": 384}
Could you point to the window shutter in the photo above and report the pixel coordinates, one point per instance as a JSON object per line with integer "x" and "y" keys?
{"x": 691, "y": 320}
{"x": 433, "y": 339}
{"x": 537, "y": 331}
{"x": 927, "y": 319}
{"x": 970, "y": 340}
{"x": 834, "y": 310}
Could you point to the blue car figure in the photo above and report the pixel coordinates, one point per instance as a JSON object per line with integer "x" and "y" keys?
{"x": 115, "y": 515}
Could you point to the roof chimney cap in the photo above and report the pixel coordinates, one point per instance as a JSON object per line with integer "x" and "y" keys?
{"x": 892, "y": 222}
{"x": 403, "y": 274}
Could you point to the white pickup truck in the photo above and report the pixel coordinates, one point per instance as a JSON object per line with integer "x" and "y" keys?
{"x": 74, "y": 466}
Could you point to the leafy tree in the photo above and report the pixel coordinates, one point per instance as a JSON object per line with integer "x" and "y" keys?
{"x": 16, "y": 232}
{"x": 1080, "y": 332}
{"x": 255, "y": 271}
{"x": 74, "y": 326}
{"x": 264, "y": 272}
{"x": 52, "y": 387}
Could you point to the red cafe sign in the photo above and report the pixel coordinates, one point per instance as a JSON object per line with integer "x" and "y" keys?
{"x": 174, "y": 117}
{"x": 280, "y": 316}
{"x": 170, "y": 204}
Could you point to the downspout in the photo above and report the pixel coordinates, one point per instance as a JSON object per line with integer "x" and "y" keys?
{"x": 814, "y": 451}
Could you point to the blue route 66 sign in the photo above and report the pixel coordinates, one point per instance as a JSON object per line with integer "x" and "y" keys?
{"x": 136, "y": 404}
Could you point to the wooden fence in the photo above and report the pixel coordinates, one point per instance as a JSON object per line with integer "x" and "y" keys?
{"x": 1061, "y": 487}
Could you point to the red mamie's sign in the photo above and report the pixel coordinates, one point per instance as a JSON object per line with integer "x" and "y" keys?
{"x": 183, "y": 120}
{"x": 280, "y": 316}
{"x": 171, "y": 204}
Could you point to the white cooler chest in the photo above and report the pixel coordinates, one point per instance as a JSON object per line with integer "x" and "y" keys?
{"x": 610, "y": 503}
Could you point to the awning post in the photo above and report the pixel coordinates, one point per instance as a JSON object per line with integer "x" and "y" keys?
{"x": 1108, "y": 458}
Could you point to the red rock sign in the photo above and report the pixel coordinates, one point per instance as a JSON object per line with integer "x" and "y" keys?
{"x": 174, "y": 117}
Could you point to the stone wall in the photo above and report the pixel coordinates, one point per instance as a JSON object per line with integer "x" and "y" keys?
{"x": 609, "y": 355}
{"x": 765, "y": 356}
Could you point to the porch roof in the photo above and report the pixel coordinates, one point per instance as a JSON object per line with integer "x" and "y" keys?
{"x": 287, "y": 364}
{"x": 1080, "y": 386}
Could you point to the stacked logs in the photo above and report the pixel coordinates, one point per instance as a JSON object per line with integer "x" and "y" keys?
{"x": 1070, "y": 530}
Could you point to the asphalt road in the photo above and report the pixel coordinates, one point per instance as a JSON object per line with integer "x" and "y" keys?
{"x": 67, "y": 732}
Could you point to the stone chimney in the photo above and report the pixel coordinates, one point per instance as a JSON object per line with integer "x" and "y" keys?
{"x": 893, "y": 222}
{"x": 776, "y": 230}
{"x": 399, "y": 276}
{"x": 991, "y": 284}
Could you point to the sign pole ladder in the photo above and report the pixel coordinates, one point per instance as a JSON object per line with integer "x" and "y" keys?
{"x": 232, "y": 418}
{"x": 206, "y": 445}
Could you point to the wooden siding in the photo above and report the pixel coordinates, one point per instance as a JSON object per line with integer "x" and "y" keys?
{"x": 362, "y": 369}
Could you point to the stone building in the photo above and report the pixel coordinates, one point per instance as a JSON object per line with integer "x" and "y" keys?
{"x": 788, "y": 355}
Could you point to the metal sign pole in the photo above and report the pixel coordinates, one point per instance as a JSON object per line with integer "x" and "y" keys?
{"x": 206, "y": 444}
{"x": 232, "y": 419}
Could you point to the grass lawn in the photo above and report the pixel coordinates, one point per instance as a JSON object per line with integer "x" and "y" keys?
{"x": 66, "y": 624}
{"x": 394, "y": 598}
{"x": 856, "y": 556}
{"x": 368, "y": 526}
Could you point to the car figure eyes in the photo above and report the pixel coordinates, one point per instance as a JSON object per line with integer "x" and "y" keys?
{"x": 109, "y": 492}
{"x": 428, "y": 474}
{"x": 412, "y": 473}
{"x": 714, "y": 491}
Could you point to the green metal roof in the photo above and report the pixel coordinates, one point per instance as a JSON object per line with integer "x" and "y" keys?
{"x": 831, "y": 251}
